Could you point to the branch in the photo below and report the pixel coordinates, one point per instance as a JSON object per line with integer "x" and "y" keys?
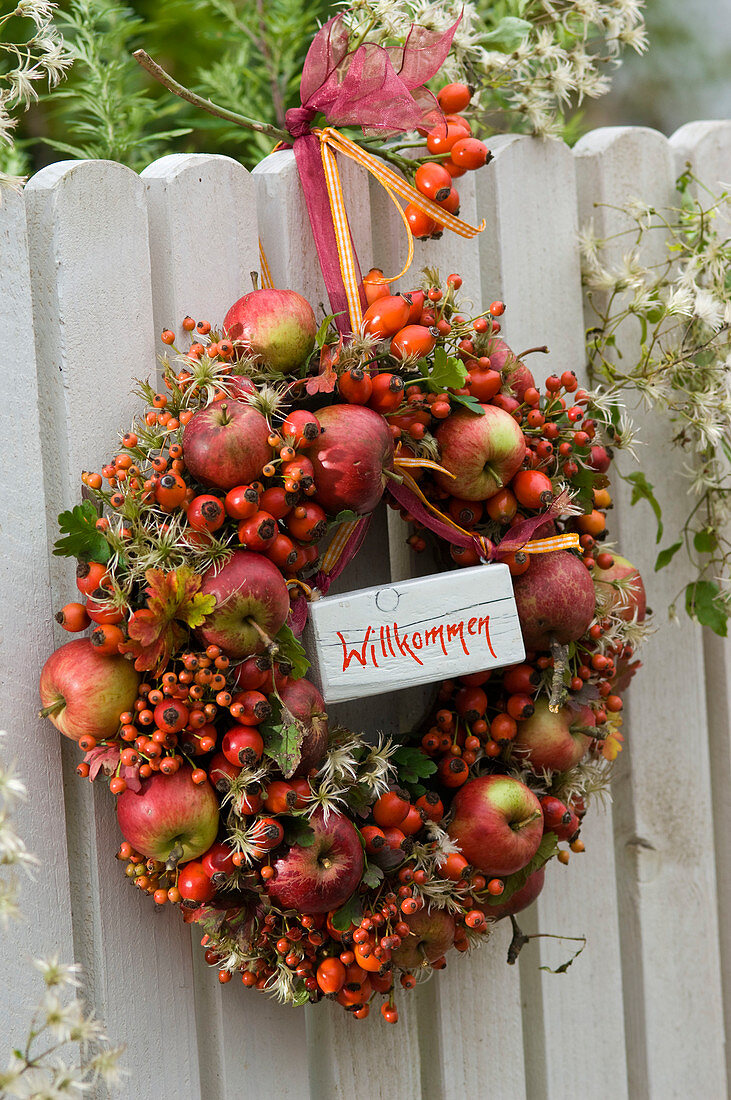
{"x": 182, "y": 92}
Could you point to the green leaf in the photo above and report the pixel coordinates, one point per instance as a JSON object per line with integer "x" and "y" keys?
{"x": 446, "y": 373}
{"x": 348, "y": 914}
{"x": 643, "y": 490}
{"x": 323, "y": 329}
{"x": 413, "y": 764}
{"x": 360, "y": 799}
{"x": 283, "y": 736}
{"x": 703, "y": 602}
{"x": 372, "y": 876}
{"x": 705, "y": 541}
{"x": 300, "y": 997}
{"x": 546, "y": 849}
{"x": 292, "y": 650}
{"x": 298, "y": 831}
{"x": 469, "y": 402}
{"x": 508, "y": 34}
{"x": 666, "y": 556}
{"x": 344, "y": 516}
{"x": 80, "y": 537}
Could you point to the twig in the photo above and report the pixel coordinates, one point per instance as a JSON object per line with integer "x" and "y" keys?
{"x": 167, "y": 81}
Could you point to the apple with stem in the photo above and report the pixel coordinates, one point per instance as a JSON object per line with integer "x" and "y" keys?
{"x": 171, "y": 818}
{"x": 252, "y": 603}
{"x": 431, "y": 935}
{"x": 557, "y": 741}
{"x": 497, "y": 824}
{"x": 83, "y": 692}
{"x": 351, "y": 458}
{"x": 481, "y": 452}
{"x": 277, "y": 327}
{"x": 321, "y": 875}
{"x": 226, "y": 444}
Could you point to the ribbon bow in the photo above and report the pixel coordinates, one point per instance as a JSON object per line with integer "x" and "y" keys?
{"x": 382, "y": 91}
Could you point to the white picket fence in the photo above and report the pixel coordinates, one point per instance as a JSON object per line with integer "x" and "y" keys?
{"x": 94, "y": 262}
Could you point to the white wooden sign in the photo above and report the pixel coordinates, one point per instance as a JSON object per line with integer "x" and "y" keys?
{"x": 413, "y": 632}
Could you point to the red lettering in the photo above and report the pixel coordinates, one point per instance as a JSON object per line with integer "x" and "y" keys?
{"x": 417, "y": 644}
{"x": 470, "y": 626}
{"x": 456, "y": 630}
{"x": 485, "y": 621}
{"x": 373, "y": 656}
{"x": 404, "y": 646}
{"x": 383, "y": 647}
{"x": 360, "y": 657}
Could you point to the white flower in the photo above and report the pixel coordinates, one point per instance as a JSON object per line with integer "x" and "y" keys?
{"x": 55, "y": 973}
{"x": 680, "y": 302}
{"x": 708, "y": 309}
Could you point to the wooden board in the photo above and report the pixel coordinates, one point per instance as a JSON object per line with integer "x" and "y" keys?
{"x": 662, "y": 795}
{"x": 707, "y": 145}
{"x": 92, "y": 304}
{"x": 26, "y": 609}
{"x": 413, "y": 632}
{"x": 531, "y": 261}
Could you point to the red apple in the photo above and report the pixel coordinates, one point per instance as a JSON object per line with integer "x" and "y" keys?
{"x": 521, "y": 899}
{"x": 483, "y": 452}
{"x": 555, "y": 599}
{"x": 322, "y": 875}
{"x": 276, "y": 326}
{"x": 225, "y": 444}
{"x": 248, "y": 589}
{"x": 497, "y": 823}
{"x": 431, "y": 936}
{"x": 515, "y": 373}
{"x": 554, "y": 741}
{"x": 83, "y": 693}
{"x": 349, "y": 458}
{"x": 169, "y": 815}
{"x": 620, "y": 590}
{"x": 305, "y": 702}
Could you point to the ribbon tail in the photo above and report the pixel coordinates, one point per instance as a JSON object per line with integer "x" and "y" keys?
{"x": 314, "y": 187}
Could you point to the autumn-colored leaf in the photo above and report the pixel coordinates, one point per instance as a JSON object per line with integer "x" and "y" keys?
{"x": 173, "y": 604}
{"x": 612, "y": 745}
{"x": 326, "y": 380}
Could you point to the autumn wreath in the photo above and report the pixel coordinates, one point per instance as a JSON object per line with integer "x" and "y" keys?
{"x": 316, "y": 860}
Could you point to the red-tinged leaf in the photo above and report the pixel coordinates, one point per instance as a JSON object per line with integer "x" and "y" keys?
{"x": 131, "y": 776}
{"x": 157, "y": 630}
{"x": 102, "y": 757}
{"x": 327, "y": 379}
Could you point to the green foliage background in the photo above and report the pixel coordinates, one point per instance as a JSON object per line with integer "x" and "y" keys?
{"x": 246, "y": 55}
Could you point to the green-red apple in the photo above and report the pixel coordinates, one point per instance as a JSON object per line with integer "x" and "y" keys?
{"x": 170, "y": 816}
{"x": 83, "y": 692}
{"x": 276, "y": 326}
{"x": 482, "y": 452}
{"x": 497, "y": 824}
{"x": 554, "y": 741}
{"x": 249, "y": 589}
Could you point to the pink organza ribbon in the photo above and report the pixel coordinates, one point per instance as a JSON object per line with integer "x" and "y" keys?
{"x": 381, "y": 90}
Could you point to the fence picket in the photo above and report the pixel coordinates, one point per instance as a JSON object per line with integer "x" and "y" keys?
{"x": 26, "y": 603}
{"x": 212, "y": 192}
{"x": 284, "y": 225}
{"x": 707, "y": 145}
{"x": 90, "y": 272}
{"x": 531, "y": 261}
{"x": 663, "y": 826}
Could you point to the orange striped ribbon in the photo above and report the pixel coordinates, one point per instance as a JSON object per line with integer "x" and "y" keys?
{"x": 266, "y": 276}
{"x": 332, "y": 141}
{"x": 336, "y": 547}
